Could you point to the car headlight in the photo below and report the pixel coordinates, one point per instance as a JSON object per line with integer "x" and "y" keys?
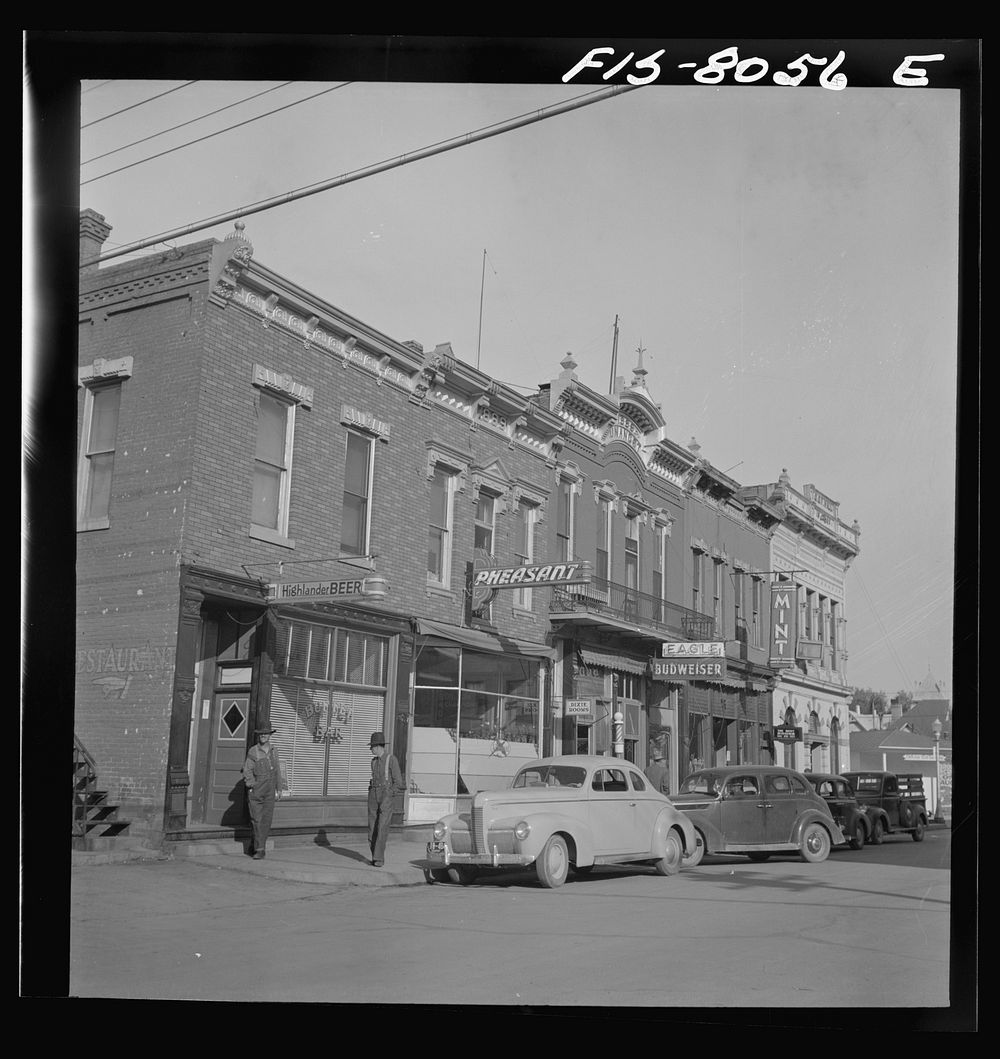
{"x": 521, "y": 830}
{"x": 440, "y": 830}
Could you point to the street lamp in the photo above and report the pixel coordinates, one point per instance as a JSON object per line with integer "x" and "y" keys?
{"x": 937, "y": 726}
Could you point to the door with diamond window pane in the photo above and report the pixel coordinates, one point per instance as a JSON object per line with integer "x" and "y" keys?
{"x": 230, "y": 721}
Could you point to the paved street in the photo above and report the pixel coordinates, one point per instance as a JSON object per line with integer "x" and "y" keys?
{"x": 862, "y": 930}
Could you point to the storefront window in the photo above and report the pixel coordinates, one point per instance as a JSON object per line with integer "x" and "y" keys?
{"x": 473, "y": 736}
{"x": 327, "y": 697}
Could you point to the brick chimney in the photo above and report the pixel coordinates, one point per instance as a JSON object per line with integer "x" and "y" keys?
{"x": 94, "y": 230}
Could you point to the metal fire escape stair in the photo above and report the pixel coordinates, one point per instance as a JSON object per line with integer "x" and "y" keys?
{"x": 95, "y": 819}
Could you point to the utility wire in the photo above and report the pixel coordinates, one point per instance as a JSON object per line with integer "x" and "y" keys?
{"x": 359, "y": 174}
{"x": 191, "y": 121}
{"x": 142, "y": 102}
{"x": 208, "y": 136}
{"x": 878, "y": 620}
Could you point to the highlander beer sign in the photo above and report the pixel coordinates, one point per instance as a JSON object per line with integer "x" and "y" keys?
{"x": 784, "y": 623}
{"x": 373, "y": 587}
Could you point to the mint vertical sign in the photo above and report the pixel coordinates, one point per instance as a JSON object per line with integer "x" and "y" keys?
{"x": 784, "y": 623}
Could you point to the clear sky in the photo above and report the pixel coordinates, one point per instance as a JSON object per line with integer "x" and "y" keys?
{"x": 787, "y": 258}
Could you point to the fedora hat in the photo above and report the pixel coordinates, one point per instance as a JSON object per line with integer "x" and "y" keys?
{"x": 267, "y": 728}
{"x": 378, "y": 739}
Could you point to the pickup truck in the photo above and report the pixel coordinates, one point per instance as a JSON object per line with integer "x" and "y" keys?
{"x": 893, "y": 803}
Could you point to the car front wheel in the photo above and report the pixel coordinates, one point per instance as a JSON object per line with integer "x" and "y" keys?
{"x": 693, "y": 859}
{"x": 673, "y": 855}
{"x": 918, "y": 831}
{"x": 878, "y": 833}
{"x": 857, "y": 840}
{"x": 552, "y": 865}
{"x": 815, "y": 844}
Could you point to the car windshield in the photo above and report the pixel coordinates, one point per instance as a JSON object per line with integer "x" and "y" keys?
{"x": 550, "y": 776}
{"x": 701, "y": 783}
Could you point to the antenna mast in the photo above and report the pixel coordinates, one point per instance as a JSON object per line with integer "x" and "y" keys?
{"x": 614, "y": 358}
{"x": 482, "y": 287}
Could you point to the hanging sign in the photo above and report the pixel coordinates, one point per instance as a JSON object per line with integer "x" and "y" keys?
{"x": 784, "y": 623}
{"x": 373, "y": 587}
{"x": 695, "y": 669}
{"x": 716, "y": 649}
{"x": 786, "y": 733}
{"x": 576, "y": 573}
{"x": 581, "y": 709}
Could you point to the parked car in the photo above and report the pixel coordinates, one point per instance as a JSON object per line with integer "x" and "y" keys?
{"x": 839, "y": 795}
{"x": 893, "y": 802}
{"x": 563, "y": 813}
{"x": 757, "y": 810}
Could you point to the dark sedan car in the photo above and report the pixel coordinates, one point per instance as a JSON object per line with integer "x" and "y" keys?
{"x": 756, "y": 810}
{"x": 838, "y": 794}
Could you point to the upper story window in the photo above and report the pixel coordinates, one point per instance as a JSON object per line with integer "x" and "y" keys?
{"x": 603, "y": 568}
{"x": 100, "y": 431}
{"x": 564, "y": 521}
{"x": 697, "y": 572}
{"x": 660, "y": 564}
{"x": 439, "y": 527}
{"x": 102, "y": 381}
{"x": 524, "y": 547}
{"x": 485, "y": 523}
{"x": 272, "y": 466}
{"x": 632, "y": 553}
{"x": 718, "y": 574}
{"x": 756, "y": 596}
{"x": 738, "y": 588}
{"x": 359, "y": 462}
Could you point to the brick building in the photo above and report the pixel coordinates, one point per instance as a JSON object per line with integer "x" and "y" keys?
{"x": 812, "y": 550}
{"x": 286, "y": 516}
{"x": 277, "y": 509}
{"x": 678, "y": 558}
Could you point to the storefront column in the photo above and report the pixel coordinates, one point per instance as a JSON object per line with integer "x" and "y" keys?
{"x": 186, "y": 655}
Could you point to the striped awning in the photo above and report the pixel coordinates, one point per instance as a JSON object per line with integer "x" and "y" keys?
{"x": 610, "y": 660}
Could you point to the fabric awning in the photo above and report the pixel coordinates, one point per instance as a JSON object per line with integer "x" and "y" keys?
{"x": 609, "y": 660}
{"x": 483, "y": 641}
{"x": 756, "y": 685}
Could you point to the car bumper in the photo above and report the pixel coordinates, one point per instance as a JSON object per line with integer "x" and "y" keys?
{"x": 441, "y": 854}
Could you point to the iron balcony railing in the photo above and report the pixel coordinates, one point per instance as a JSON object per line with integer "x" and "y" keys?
{"x": 637, "y": 608}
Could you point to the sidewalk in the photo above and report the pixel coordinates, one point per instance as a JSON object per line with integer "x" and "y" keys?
{"x": 339, "y": 860}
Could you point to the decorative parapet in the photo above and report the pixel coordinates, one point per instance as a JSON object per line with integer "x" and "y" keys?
{"x": 230, "y": 258}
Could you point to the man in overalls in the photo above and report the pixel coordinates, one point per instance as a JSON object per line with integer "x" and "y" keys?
{"x": 386, "y": 782}
{"x": 264, "y": 779}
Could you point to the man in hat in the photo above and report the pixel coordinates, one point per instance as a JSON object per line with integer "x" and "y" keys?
{"x": 264, "y": 779}
{"x": 657, "y": 772}
{"x": 386, "y": 782}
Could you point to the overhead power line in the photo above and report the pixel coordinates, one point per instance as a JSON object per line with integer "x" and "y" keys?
{"x": 141, "y": 103}
{"x": 379, "y": 167}
{"x": 190, "y": 121}
{"x": 210, "y": 135}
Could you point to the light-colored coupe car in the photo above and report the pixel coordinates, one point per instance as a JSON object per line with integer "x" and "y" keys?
{"x": 560, "y": 813}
